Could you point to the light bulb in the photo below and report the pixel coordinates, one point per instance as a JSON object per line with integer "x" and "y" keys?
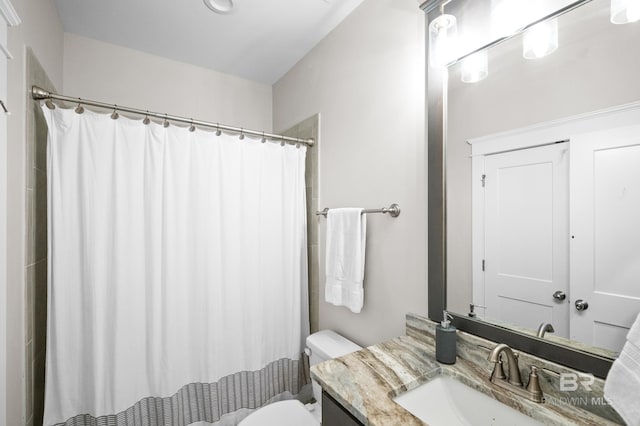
{"x": 540, "y": 40}
{"x": 475, "y": 67}
{"x": 625, "y": 11}
{"x": 633, "y": 12}
{"x": 443, "y": 40}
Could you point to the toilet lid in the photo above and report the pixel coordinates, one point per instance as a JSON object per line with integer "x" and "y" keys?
{"x": 283, "y": 413}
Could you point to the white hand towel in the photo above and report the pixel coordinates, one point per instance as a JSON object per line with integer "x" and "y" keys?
{"x": 622, "y": 387}
{"x": 634, "y": 332}
{"x": 344, "y": 260}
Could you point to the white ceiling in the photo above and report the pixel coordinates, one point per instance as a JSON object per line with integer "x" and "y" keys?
{"x": 261, "y": 40}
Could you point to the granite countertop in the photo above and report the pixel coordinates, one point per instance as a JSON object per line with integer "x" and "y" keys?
{"x": 365, "y": 383}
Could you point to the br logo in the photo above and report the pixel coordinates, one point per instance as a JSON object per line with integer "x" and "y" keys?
{"x": 571, "y": 381}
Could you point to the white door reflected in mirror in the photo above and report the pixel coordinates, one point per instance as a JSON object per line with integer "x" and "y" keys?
{"x": 526, "y": 218}
{"x": 555, "y": 228}
{"x": 605, "y": 210}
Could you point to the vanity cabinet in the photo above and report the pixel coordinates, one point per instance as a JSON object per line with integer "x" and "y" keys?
{"x": 333, "y": 414}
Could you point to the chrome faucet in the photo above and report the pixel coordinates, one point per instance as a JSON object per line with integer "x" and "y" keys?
{"x": 513, "y": 382}
{"x": 543, "y": 328}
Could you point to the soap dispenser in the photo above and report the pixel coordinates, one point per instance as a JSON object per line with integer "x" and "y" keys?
{"x": 446, "y": 340}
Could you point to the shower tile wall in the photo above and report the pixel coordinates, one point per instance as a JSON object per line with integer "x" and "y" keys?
{"x": 36, "y": 247}
{"x": 309, "y": 129}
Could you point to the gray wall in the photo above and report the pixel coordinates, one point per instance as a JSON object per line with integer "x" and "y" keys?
{"x": 309, "y": 129}
{"x": 367, "y": 81}
{"x": 41, "y": 31}
{"x": 114, "y": 74}
{"x": 36, "y": 248}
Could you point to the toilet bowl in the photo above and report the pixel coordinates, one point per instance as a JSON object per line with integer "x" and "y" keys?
{"x": 321, "y": 346}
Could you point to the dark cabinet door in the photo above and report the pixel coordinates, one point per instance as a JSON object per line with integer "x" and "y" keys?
{"x": 333, "y": 414}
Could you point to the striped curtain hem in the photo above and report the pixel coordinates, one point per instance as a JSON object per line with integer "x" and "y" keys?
{"x": 208, "y": 402}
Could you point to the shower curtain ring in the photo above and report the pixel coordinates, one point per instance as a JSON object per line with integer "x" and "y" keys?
{"x": 146, "y": 120}
{"x": 49, "y": 103}
{"x": 264, "y": 138}
{"x": 192, "y": 128}
{"x": 79, "y": 109}
{"x": 165, "y": 122}
{"x": 218, "y": 131}
{"x": 114, "y": 114}
{"x": 282, "y": 142}
{"x": 241, "y": 134}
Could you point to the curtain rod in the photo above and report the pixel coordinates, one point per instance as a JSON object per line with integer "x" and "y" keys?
{"x": 40, "y": 94}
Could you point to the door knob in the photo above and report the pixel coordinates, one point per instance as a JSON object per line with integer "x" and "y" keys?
{"x": 559, "y": 295}
{"x": 581, "y": 305}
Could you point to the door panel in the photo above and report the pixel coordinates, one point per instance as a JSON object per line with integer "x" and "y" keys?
{"x": 524, "y": 312}
{"x": 605, "y": 228}
{"x": 526, "y": 236}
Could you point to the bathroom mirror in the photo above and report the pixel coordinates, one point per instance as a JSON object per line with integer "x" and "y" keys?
{"x": 592, "y": 69}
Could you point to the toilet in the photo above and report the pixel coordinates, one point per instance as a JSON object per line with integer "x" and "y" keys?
{"x": 321, "y": 346}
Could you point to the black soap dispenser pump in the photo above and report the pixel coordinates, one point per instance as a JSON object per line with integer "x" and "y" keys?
{"x": 446, "y": 340}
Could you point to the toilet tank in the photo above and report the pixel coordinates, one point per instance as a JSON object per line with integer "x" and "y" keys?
{"x": 327, "y": 344}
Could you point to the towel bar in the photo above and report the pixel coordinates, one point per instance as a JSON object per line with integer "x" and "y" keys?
{"x": 393, "y": 210}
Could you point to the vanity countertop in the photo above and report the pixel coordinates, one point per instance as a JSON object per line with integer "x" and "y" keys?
{"x": 365, "y": 383}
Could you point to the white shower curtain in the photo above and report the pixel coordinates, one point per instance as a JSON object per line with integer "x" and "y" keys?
{"x": 177, "y": 272}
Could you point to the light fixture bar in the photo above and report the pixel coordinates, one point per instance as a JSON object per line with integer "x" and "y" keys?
{"x": 559, "y": 12}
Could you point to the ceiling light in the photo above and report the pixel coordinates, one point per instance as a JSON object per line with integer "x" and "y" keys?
{"x": 540, "y": 40}
{"x": 625, "y": 11}
{"x": 220, "y": 6}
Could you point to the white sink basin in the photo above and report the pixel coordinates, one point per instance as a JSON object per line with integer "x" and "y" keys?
{"x": 445, "y": 401}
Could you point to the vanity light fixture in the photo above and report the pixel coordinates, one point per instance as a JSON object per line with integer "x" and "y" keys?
{"x": 220, "y": 6}
{"x": 625, "y": 11}
{"x": 475, "y": 67}
{"x": 540, "y": 40}
{"x": 443, "y": 39}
